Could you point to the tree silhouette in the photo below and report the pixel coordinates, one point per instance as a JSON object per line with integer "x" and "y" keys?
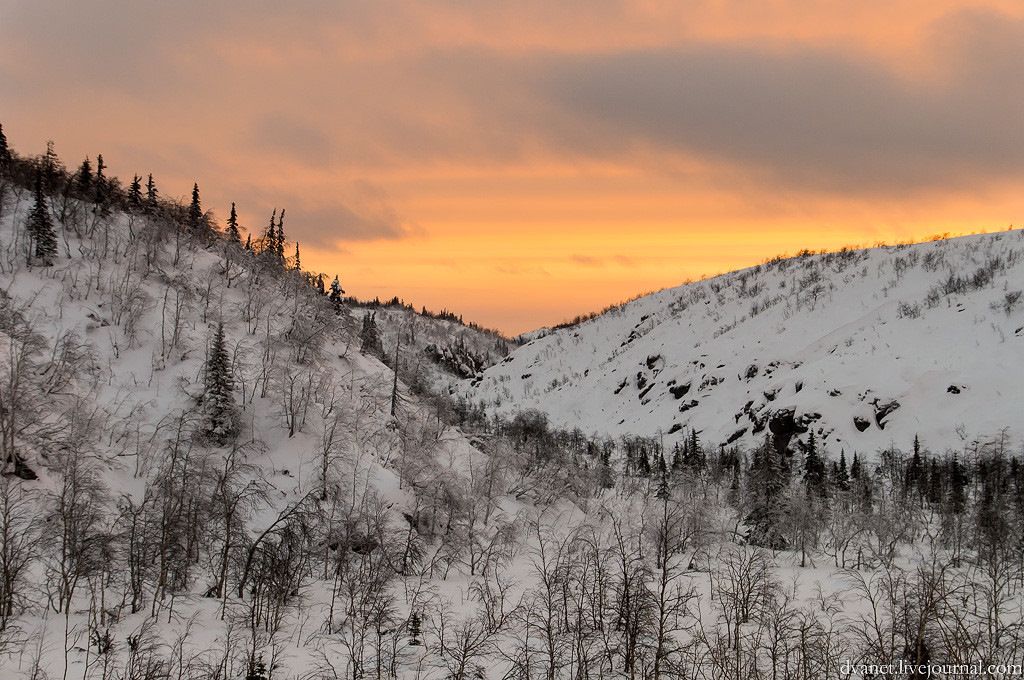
{"x": 40, "y": 228}
{"x": 218, "y": 400}
{"x": 233, "y": 234}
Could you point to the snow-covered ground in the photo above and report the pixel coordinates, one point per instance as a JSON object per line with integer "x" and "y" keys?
{"x": 867, "y": 348}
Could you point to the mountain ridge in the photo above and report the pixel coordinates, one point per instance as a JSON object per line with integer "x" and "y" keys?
{"x": 744, "y": 339}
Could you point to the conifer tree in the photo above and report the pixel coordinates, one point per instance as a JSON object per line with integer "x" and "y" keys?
{"x": 5, "y": 152}
{"x": 370, "y": 337}
{"x": 336, "y": 293}
{"x": 677, "y": 458}
{"x": 298, "y": 262}
{"x": 841, "y": 475}
{"x": 767, "y": 479}
{"x": 415, "y": 629}
{"x": 40, "y": 228}
{"x": 84, "y": 179}
{"x": 218, "y": 400}
{"x": 135, "y": 192}
{"x": 101, "y": 180}
{"x": 233, "y": 234}
{"x": 195, "y": 211}
{"x": 279, "y": 239}
{"x": 248, "y": 242}
{"x": 151, "y": 195}
{"x": 269, "y": 241}
{"x": 814, "y": 468}
{"x": 51, "y": 168}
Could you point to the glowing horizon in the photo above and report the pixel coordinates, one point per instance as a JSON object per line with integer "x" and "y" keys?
{"x": 524, "y": 163}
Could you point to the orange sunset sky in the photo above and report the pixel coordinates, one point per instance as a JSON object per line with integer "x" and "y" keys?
{"x": 524, "y": 162}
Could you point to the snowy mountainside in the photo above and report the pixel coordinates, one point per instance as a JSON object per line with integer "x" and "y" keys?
{"x": 104, "y": 377}
{"x": 434, "y": 352}
{"x": 866, "y": 348}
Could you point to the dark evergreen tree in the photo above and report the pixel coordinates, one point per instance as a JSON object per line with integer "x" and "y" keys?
{"x": 957, "y": 486}
{"x": 268, "y": 244}
{"x": 257, "y": 669}
{"x": 320, "y": 284}
{"x": 151, "y": 195}
{"x": 935, "y": 484}
{"x": 195, "y": 210}
{"x": 336, "y": 293}
{"x": 298, "y": 262}
{"x": 248, "y": 242}
{"x": 135, "y": 193}
{"x": 43, "y": 240}
{"x": 840, "y": 474}
{"x": 415, "y": 629}
{"x": 677, "y": 458}
{"x": 693, "y": 454}
{"x": 84, "y": 178}
{"x": 52, "y": 169}
{"x": 767, "y": 480}
{"x": 855, "y": 467}
{"x": 234, "y": 236}
{"x": 279, "y": 239}
{"x": 218, "y": 401}
{"x": 370, "y": 337}
{"x": 814, "y": 468}
{"x": 101, "y": 180}
{"x": 5, "y": 152}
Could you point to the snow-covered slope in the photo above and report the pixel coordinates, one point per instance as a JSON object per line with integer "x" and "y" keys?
{"x": 864, "y": 347}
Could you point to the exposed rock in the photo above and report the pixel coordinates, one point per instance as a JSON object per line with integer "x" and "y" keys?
{"x": 736, "y": 435}
{"x": 883, "y": 410}
{"x": 679, "y": 390}
{"x": 783, "y": 425}
{"x": 861, "y": 423}
{"x": 953, "y": 389}
{"x": 751, "y": 371}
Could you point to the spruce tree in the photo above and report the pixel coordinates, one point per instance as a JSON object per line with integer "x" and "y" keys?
{"x": 767, "y": 480}
{"x": 218, "y": 401}
{"x": 151, "y": 195}
{"x": 84, "y": 179}
{"x": 195, "y": 210}
{"x": 40, "y": 229}
{"x": 101, "y": 180}
{"x": 135, "y": 193}
{"x": 814, "y": 468}
{"x": 370, "y": 337}
{"x": 268, "y": 243}
{"x": 841, "y": 476}
{"x": 298, "y": 262}
{"x": 233, "y": 234}
{"x": 52, "y": 168}
{"x": 335, "y": 296}
{"x": 5, "y": 152}
{"x": 279, "y": 239}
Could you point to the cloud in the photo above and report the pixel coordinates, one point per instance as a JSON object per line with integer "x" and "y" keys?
{"x": 293, "y": 138}
{"x": 810, "y": 118}
{"x": 322, "y": 219}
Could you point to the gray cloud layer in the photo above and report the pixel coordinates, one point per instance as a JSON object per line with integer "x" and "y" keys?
{"x": 802, "y": 119}
{"x": 810, "y": 118}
